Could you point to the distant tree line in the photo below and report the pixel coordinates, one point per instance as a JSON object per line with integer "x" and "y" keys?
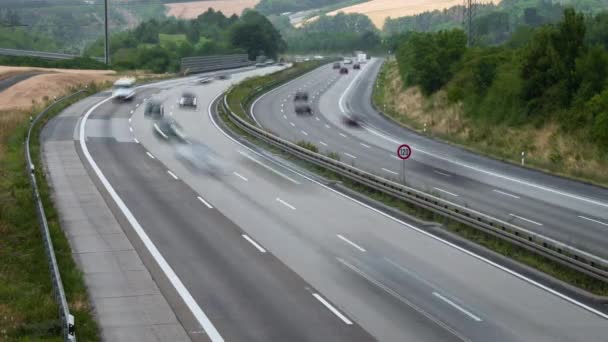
{"x": 159, "y": 45}
{"x": 558, "y": 72}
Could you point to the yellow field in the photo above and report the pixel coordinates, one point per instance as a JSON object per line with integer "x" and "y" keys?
{"x": 379, "y": 10}
{"x": 191, "y": 10}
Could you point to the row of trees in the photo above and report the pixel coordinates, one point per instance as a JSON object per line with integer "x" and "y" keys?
{"x": 158, "y": 45}
{"x": 559, "y": 74}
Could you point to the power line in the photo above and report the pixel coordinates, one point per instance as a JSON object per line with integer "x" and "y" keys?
{"x": 470, "y": 9}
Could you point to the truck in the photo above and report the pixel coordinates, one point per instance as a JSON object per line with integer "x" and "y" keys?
{"x": 124, "y": 89}
{"x": 361, "y": 57}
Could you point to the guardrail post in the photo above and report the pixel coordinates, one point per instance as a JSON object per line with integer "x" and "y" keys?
{"x": 523, "y": 158}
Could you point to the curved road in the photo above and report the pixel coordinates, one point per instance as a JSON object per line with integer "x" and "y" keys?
{"x": 262, "y": 252}
{"x": 567, "y": 211}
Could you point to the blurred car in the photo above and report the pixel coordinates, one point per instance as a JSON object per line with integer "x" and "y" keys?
{"x": 205, "y": 80}
{"x": 344, "y": 71}
{"x": 269, "y": 62}
{"x": 154, "y": 109}
{"x": 348, "y": 61}
{"x": 303, "y": 108}
{"x": 352, "y": 120}
{"x": 356, "y": 66}
{"x": 336, "y": 65}
{"x": 188, "y": 100}
{"x": 200, "y": 157}
{"x": 301, "y": 96}
{"x": 124, "y": 89}
{"x": 169, "y": 129}
{"x": 260, "y": 65}
{"x": 222, "y": 76}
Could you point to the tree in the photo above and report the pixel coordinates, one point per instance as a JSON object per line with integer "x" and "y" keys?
{"x": 256, "y": 35}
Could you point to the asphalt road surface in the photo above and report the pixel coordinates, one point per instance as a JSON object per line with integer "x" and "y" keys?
{"x": 567, "y": 211}
{"x": 269, "y": 254}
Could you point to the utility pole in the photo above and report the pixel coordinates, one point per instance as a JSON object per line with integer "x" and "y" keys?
{"x": 467, "y": 20}
{"x": 107, "y": 42}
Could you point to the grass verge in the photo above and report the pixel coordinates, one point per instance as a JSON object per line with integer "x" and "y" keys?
{"x": 28, "y": 311}
{"x": 521, "y": 255}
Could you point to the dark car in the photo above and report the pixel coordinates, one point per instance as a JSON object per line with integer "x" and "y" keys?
{"x": 303, "y": 108}
{"x": 344, "y": 71}
{"x": 352, "y": 120}
{"x": 222, "y": 76}
{"x": 301, "y": 96}
{"x": 357, "y": 66}
{"x": 337, "y": 65}
{"x": 154, "y": 109}
{"x": 188, "y": 100}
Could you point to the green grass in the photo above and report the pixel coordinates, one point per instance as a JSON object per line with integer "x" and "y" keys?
{"x": 164, "y": 39}
{"x": 242, "y": 95}
{"x": 28, "y": 311}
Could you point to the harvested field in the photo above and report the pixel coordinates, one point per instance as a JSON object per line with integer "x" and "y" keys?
{"x": 379, "y": 10}
{"x": 191, "y": 10}
{"x": 53, "y": 82}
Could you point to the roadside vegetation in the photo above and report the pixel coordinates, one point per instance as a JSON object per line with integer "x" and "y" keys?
{"x": 28, "y": 311}
{"x": 241, "y": 97}
{"x": 75, "y": 63}
{"x": 546, "y": 96}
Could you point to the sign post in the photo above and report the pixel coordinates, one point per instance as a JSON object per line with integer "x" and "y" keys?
{"x": 404, "y": 152}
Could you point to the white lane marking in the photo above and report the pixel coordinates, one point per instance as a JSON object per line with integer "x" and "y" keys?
{"x": 401, "y": 298}
{"x": 171, "y": 113}
{"x": 342, "y": 135}
{"x": 303, "y": 132}
{"x": 150, "y": 155}
{"x": 172, "y": 174}
{"x": 204, "y": 202}
{"x": 332, "y": 309}
{"x": 442, "y": 173}
{"x": 317, "y": 118}
{"x": 136, "y": 141}
{"x": 136, "y": 105}
{"x": 525, "y": 219}
{"x": 292, "y": 124}
{"x": 389, "y": 171}
{"x": 286, "y": 204}
{"x": 364, "y": 145}
{"x": 132, "y": 111}
{"x": 282, "y": 110}
{"x": 285, "y": 117}
{"x": 268, "y": 167}
{"x": 350, "y": 243}
{"x": 349, "y": 155}
{"x": 447, "y": 192}
{"x": 255, "y": 244}
{"x": 130, "y": 120}
{"x": 327, "y": 126}
{"x": 592, "y": 220}
{"x": 131, "y": 129}
{"x": 240, "y": 176}
{"x": 505, "y": 193}
{"x": 181, "y": 289}
{"x": 395, "y": 157}
{"x": 322, "y": 143}
{"x": 414, "y": 228}
{"x": 458, "y": 307}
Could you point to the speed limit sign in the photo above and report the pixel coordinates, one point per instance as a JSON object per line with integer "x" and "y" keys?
{"x": 404, "y": 152}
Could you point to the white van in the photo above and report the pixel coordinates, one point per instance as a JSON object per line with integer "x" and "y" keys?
{"x": 124, "y": 89}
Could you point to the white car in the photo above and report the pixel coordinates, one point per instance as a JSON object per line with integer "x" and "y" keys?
{"x": 187, "y": 100}
{"x": 124, "y": 89}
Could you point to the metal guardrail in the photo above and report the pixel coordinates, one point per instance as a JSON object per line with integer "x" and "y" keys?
{"x": 64, "y": 311}
{"x": 192, "y": 65}
{"x": 547, "y": 247}
{"x": 40, "y": 54}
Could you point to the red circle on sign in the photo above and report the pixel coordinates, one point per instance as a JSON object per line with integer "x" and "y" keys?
{"x": 404, "y": 156}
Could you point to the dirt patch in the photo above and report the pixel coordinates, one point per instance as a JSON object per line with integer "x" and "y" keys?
{"x": 379, "y": 10}
{"x": 22, "y": 95}
{"x": 191, "y": 10}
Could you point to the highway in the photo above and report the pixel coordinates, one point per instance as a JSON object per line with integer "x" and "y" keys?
{"x": 567, "y": 211}
{"x": 261, "y": 251}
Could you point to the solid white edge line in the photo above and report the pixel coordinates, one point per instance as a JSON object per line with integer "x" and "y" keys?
{"x": 160, "y": 132}
{"x": 268, "y": 167}
{"x": 240, "y": 176}
{"x": 303, "y": 132}
{"x": 204, "y": 202}
{"x": 255, "y": 244}
{"x": 525, "y": 219}
{"x": 322, "y": 143}
{"x": 419, "y": 230}
{"x": 351, "y": 243}
{"x": 447, "y": 192}
{"x": 442, "y": 173}
{"x": 506, "y": 194}
{"x": 286, "y": 204}
{"x": 172, "y": 174}
{"x": 457, "y": 307}
{"x": 364, "y": 145}
{"x": 150, "y": 155}
{"x": 332, "y": 309}
{"x": 181, "y": 289}
{"x": 592, "y": 220}
{"x": 136, "y": 141}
